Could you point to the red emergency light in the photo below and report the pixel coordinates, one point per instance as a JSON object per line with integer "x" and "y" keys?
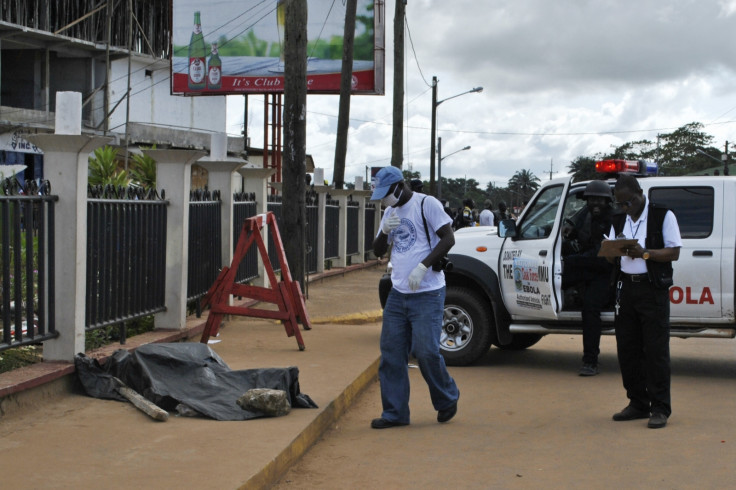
{"x": 617, "y": 166}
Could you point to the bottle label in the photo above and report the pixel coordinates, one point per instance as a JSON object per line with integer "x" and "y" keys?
{"x": 213, "y": 78}
{"x": 196, "y": 70}
{"x": 197, "y": 29}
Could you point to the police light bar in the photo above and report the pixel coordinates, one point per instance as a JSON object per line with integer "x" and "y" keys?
{"x": 617, "y": 166}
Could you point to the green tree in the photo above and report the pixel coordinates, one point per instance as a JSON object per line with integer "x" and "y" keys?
{"x": 104, "y": 168}
{"x": 583, "y": 168}
{"x": 678, "y": 150}
{"x": 524, "y": 184}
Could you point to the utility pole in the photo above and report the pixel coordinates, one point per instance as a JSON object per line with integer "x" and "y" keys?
{"x": 343, "y": 117}
{"x": 397, "y": 144}
{"x": 433, "y": 130}
{"x": 294, "y": 211}
{"x": 725, "y": 161}
{"x": 550, "y": 168}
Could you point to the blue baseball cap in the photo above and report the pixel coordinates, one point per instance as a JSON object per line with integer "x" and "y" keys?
{"x": 383, "y": 181}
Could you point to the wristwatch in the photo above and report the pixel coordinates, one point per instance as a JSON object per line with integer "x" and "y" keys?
{"x": 645, "y": 255}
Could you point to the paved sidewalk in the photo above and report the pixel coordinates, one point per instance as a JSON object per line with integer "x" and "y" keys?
{"x": 59, "y": 438}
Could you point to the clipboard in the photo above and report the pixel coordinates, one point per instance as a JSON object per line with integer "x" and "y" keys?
{"x": 615, "y": 248}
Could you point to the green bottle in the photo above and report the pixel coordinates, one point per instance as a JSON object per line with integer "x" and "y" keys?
{"x": 197, "y": 58}
{"x": 214, "y": 70}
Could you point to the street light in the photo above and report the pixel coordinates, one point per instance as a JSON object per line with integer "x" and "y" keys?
{"x": 439, "y": 164}
{"x": 435, "y": 103}
{"x": 723, "y": 156}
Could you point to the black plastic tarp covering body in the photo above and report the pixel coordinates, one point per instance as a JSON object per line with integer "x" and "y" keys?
{"x": 190, "y": 374}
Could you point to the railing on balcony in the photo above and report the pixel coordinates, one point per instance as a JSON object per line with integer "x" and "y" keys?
{"x": 26, "y": 263}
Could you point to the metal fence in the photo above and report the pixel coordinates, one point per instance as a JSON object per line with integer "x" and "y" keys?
{"x": 244, "y": 207}
{"x": 312, "y": 232}
{"x": 205, "y": 243}
{"x": 274, "y": 206}
{"x": 26, "y": 263}
{"x": 351, "y": 239}
{"x": 126, "y": 256}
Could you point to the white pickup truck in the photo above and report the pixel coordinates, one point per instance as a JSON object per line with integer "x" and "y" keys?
{"x": 505, "y": 285}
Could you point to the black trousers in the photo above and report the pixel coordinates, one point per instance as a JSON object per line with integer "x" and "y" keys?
{"x": 643, "y": 345}
{"x": 595, "y": 298}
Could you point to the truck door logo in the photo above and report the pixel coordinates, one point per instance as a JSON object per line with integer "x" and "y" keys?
{"x": 677, "y": 296}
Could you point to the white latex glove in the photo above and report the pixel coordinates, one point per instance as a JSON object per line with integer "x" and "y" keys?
{"x": 390, "y": 224}
{"x": 416, "y": 276}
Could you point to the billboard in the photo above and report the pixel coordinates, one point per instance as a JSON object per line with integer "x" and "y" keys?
{"x": 230, "y": 47}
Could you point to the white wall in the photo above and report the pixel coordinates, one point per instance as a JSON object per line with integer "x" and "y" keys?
{"x": 152, "y": 103}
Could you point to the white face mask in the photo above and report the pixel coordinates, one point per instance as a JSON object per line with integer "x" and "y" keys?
{"x": 392, "y": 199}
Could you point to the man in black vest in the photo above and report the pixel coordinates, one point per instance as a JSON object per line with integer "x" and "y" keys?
{"x": 643, "y": 303}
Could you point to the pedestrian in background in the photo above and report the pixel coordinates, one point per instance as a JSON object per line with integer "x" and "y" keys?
{"x": 486, "y": 217}
{"x": 643, "y": 304}
{"x": 414, "y": 310}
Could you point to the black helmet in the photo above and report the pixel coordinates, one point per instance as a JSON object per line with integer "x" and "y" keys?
{"x": 598, "y": 188}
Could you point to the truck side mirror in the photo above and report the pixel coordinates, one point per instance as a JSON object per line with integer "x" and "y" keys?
{"x": 507, "y": 228}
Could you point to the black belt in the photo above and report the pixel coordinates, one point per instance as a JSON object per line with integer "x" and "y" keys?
{"x": 636, "y": 277}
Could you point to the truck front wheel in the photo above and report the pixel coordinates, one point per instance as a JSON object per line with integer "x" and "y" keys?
{"x": 467, "y": 328}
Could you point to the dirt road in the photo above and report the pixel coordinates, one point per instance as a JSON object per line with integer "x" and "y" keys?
{"x": 526, "y": 420}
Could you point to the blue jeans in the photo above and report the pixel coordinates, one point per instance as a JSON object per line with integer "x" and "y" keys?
{"x": 413, "y": 321}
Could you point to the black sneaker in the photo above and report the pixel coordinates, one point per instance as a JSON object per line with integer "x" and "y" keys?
{"x": 657, "y": 420}
{"x": 382, "y": 423}
{"x": 588, "y": 369}
{"x": 630, "y": 413}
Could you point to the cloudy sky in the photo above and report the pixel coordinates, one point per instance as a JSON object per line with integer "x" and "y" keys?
{"x": 561, "y": 79}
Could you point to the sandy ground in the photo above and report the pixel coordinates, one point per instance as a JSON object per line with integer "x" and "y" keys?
{"x": 526, "y": 420}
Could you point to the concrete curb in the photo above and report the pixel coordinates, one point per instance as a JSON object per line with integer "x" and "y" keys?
{"x": 273, "y": 471}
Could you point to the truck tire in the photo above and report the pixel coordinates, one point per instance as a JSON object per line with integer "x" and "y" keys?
{"x": 467, "y": 327}
{"x": 521, "y": 341}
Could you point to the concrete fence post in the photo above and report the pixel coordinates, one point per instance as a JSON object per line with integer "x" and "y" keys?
{"x": 221, "y": 176}
{"x": 322, "y": 192}
{"x": 173, "y": 175}
{"x": 341, "y": 196}
{"x": 66, "y": 154}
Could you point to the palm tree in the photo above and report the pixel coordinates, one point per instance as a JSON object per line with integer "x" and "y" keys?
{"x": 524, "y": 183}
{"x": 104, "y": 169}
{"x": 143, "y": 171}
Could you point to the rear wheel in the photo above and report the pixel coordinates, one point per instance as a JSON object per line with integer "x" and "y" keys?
{"x": 467, "y": 327}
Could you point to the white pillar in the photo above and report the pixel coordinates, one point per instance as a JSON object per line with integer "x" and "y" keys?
{"x": 221, "y": 176}
{"x": 173, "y": 175}
{"x": 254, "y": 181}
{"x": 322, "y": 191}
{"x": 66, "y": 167}
{"x": 362, "y": 198}
{"x": 341, "y": 196}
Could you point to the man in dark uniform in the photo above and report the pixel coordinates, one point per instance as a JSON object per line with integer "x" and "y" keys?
{"x": 643, "y": 304}
{"x": 591, "y": 273}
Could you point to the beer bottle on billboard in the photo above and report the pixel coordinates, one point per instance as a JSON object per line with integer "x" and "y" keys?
{"x": 197, "y": 56}
{"x": 214, "y": 70}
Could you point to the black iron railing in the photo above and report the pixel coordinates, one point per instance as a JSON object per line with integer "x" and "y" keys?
{"x": 351, "y": 238}
{"x": 126, "y": 256}
{"x": 205, "y": 243}
{"x": 370, "y": 226}
{"x": 26, "y": 263}
{"x": 244, "y": 207}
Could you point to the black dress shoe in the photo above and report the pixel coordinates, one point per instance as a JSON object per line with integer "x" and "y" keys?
{"x": 657, "y": 421}
{"x": 446, "y": 414}
{"x": 630, "y": 413}
{"x": 385, "y": 424}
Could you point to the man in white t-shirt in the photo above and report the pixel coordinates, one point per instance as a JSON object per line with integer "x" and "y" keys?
{"x": 420, "y": 233}
{"x": 486, "y": 217}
